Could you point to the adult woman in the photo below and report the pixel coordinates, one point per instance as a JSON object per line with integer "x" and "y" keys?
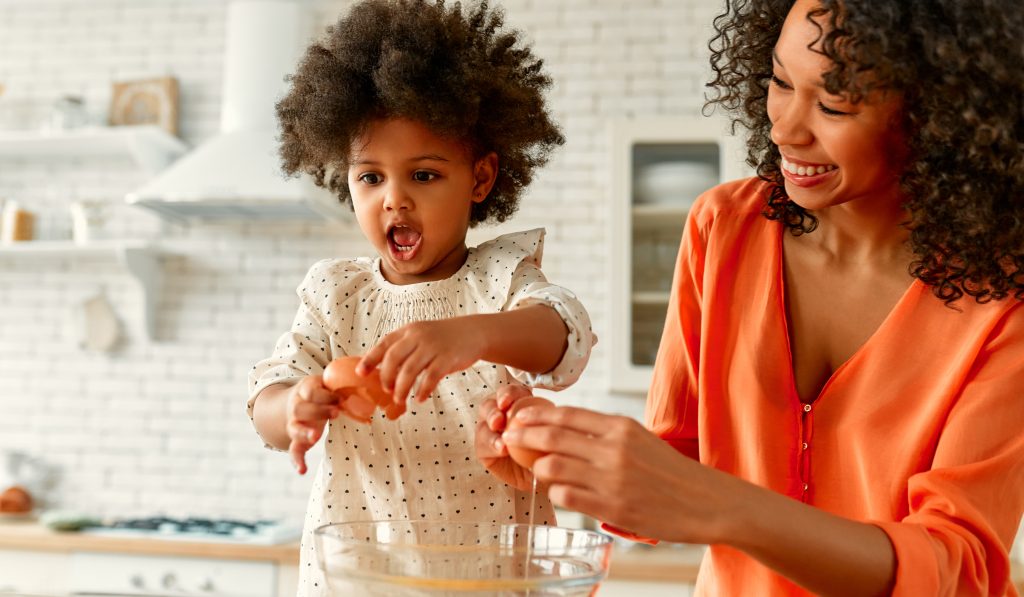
{"x": 845, "y": 343}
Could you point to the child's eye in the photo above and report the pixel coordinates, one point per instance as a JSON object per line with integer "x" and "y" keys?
{"x": 780, "y": 83}
{"x": 423, "y": 176}
{"x": 369, "y": 178}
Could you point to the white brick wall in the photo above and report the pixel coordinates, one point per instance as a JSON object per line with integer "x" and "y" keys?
{"x": 160, "y": 426}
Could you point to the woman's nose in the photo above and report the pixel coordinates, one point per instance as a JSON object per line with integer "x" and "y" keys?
{"x": 789, "y": 125}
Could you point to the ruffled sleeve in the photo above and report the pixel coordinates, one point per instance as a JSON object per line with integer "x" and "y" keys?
{"x": 510, "y": 268}
{"x": 306, "y": 348}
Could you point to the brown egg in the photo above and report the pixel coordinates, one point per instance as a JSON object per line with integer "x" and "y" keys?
{"x": 15, "y": 500}
{"x": 340, "y": 374}
{"x": 524, "y": 457}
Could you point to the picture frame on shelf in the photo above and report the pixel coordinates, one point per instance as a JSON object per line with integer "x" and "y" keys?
{"x": 146, "y": 101}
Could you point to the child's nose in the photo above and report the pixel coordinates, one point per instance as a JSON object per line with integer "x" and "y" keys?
{"x": 396, "y": 197}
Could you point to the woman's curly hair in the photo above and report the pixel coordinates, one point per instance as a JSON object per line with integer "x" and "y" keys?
{"x": 456, "y": 72}
{"x": 958, "y": 66}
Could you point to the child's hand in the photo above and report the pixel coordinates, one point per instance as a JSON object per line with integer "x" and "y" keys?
{"x": 427, "y": 350}
{"x": 310, "y": 406}
{"x": 490, "y": 450}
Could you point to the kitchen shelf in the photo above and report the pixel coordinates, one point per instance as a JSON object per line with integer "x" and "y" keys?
{"x": 651, "y": 298}
{"x": 644, "y": 233}
{"x": 150, "y": 146}
{"x": 139, "y": 258}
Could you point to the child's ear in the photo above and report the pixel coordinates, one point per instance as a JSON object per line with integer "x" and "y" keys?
{"x": 485, "y": 171}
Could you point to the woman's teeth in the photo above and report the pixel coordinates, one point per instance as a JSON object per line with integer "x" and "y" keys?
{"x": 806, "y": 170}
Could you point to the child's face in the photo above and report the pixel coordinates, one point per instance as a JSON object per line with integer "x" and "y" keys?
{"x": 833, "y": 151}
{"x": 412, "y": 192}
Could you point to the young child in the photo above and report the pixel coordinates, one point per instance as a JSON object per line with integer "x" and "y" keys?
{"x": 429, "y": 121}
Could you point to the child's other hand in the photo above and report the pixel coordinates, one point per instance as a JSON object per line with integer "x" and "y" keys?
{"x": 490, "y": 450}
{"x": 424, "y": 350}
{"x": 310, "y": 406}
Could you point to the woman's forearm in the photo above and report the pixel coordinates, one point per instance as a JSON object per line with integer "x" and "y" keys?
{"x": 822, "y": 552}
{"x": 532, "y": 338}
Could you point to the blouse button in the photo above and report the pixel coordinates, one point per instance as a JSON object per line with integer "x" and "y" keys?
{"x": 806, "y": 486}
{"x": 807, "y": 408}
{"x": 804, "y": 445}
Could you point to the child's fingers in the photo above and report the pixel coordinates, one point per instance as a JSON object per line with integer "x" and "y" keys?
{"x": 358, "y": 408}
{"x": 311, "y": 389}
{"x": 392, "y": 363}
{"x": 411, "y": 370}
{"x": 429, "y": 379}
{"x": 308, "y": 412}
{"x": 376, "y": 354}
{"x": 297, "y": 451}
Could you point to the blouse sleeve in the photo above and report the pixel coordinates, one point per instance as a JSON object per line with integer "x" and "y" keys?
{"x": 964, "y": 512}
{"x": 303, "y": 350}
{"x": 671, "y": 411}
{"x": 530, "y": 287}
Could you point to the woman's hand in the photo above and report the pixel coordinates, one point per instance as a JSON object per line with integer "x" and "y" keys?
{"x": 424, "y": 350}
{"x": 310, "y": 405}
{"x": 490, "y": 450}
{"x": 613, "y": 469}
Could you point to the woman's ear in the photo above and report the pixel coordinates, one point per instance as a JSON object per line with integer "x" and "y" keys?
{"x": 485, "y": 171}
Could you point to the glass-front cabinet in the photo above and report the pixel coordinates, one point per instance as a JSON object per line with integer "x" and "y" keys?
{"x": 659, "y": 167}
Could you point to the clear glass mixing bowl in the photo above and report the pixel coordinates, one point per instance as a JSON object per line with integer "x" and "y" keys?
{"x": 431, "y": 559}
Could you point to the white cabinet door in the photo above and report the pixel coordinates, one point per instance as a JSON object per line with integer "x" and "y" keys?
{"x": 659, "y": 166}
{"x": 33, "y": 572}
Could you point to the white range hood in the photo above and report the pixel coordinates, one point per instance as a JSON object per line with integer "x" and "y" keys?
{"x": 237, "y": 173}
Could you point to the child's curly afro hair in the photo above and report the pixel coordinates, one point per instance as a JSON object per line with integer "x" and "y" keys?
{"x": 456, "y": 72}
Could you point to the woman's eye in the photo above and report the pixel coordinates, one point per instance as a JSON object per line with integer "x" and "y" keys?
{"x": 829, "y": 111}
{"x": 369, "y": 178}
{"x": 421, "y": 176}
{"x": 780, "y": 83}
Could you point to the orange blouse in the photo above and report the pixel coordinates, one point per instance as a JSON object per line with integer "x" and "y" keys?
{"x": 920, "y": 432}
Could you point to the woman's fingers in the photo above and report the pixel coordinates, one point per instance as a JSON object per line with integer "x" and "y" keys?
{"x": 487, "y": 443}
{"x": 578, "y": 419}
{"x": 506, "y": 395}
{"x": 559, "y": 440}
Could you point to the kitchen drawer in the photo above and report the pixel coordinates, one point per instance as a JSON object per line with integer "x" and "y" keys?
{"x": 30, "y": 572}
{"x": 171, "y": 576}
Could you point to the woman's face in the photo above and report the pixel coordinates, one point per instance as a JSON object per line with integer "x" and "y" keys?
{"x": 412, "y": 191}
{"x": 833, "y": 151}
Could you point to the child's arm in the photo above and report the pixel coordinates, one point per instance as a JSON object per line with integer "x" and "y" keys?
{"x": 532, "y": 338}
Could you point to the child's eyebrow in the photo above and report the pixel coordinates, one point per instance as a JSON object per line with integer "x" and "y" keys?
{"x": 429, "y": 156}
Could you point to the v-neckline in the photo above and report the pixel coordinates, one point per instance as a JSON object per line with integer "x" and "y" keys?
{"x": 780, "y": 280}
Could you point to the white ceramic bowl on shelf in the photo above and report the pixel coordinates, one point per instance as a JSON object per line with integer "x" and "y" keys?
{"x": 678, "y": 182}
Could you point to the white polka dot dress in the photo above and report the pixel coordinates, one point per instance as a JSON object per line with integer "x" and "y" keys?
{"x": 422, "y": 465}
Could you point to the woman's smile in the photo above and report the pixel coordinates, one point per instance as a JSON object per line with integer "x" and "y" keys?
{"x": 806, "y": 174}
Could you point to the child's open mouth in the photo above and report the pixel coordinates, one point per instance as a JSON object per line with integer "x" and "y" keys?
{"x": 403, "y": 242}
